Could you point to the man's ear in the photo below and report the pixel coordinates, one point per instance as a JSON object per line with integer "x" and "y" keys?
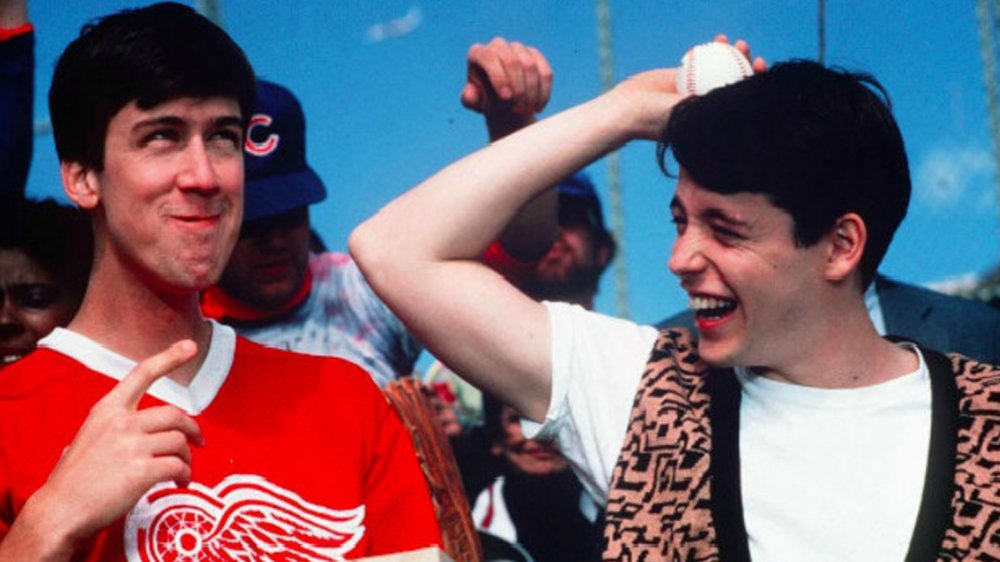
{"x": 847, "y": 242}
{"x": 80, "y": 184}
{"x": 603, "y": 256}
{"x": 605, "y": 251}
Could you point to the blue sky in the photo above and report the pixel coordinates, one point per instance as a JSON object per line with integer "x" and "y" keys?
{"x": 382, "y": 106}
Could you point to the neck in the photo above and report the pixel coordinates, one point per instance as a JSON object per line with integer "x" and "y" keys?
{"x": 846, "y": 352}
{"x": 584, "y": 300}
{"x": 130, "y": 318}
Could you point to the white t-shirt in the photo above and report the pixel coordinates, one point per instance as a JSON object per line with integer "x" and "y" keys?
{"x": 826, "y": 474}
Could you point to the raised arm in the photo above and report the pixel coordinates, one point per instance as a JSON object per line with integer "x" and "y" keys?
{"x": 509, "y": 83}
{"x": 17, "y": 67}
{"x": 428, "y": 271}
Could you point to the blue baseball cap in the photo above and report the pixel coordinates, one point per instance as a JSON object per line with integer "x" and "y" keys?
{"x": 580, "y": 190}
{"x": 278, "y": 178}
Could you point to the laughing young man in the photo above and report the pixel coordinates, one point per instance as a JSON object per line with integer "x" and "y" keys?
{"x": 236, "y": 451}
{"x": 791, "y": 430}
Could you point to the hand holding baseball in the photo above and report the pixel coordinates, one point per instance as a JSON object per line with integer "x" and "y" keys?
{"x": 712, "y": 65}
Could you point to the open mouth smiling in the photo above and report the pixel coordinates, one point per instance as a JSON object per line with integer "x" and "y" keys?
{"x": 712, "y": 309}
{"x": 10, "y": 356}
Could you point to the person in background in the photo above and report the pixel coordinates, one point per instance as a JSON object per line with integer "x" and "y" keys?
{"x": 522, "y": 490}
{"x": 17, "y": 96}
{"x": 211, "y": 439}
{"x": 45, "y": 247}
{"x": 45, "y": 255}
{"x": 274, "y": 290}
{"x": 526, "y": 494}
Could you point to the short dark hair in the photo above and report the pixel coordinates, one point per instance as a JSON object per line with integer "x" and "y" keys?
{"x": 817, "y": 142}
{"x": 150, "y": 55}
{"x": 56, "y": 237}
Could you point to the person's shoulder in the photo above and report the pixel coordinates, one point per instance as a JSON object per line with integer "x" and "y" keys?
{"x": 268, "y": 359}
{"x": 977, "y": 380}
{"x": 37, "y": 371}
{"x": 327, "y": 261}
{"x": 683, "y": 319}
{"x": 336, "y": 275}
{"x": 20, "y": 42}
{"x": 959, "y": 308}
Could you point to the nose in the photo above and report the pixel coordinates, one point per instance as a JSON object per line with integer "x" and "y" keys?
{"x": 687, "y": 258}
{"x": 272, "y": 240}
{"x": 10, "y": 322}
{"x": 198, "y": 172}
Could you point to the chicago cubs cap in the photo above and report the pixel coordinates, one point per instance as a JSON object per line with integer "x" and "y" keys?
{"x": 578, "y": 200}
{"x": 278, "y": 178}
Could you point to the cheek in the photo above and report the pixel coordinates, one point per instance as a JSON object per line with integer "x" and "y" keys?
{"x": 230, "y": 174}
{"x": 302, "y": 239}
{"x": 41, "y": 322}
{"x": 578, "y": 240}
{"x": 242, "y": 258}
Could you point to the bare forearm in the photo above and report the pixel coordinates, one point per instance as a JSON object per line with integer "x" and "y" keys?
{"x": 428, "y": 271}
{"x": 39, "y": 533}
{"x": 481, "y": 192}
{"x": 535, "y": 226}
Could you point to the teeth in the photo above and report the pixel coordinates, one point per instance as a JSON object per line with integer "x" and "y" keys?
{"x": 709, "y": 303}
{"x": 8, "y": 359}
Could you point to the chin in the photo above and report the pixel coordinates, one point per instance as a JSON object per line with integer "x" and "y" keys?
{"x": 201, "y": 278}
{"x": 716, "y": 355}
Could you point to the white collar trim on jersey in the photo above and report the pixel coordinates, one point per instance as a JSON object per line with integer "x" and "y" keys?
{"x": 193, "y": 398}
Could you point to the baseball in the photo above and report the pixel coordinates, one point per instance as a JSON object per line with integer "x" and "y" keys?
{"x": 709, "y": 66}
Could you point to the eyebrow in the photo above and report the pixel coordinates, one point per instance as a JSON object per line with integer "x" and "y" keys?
{"x": 716, "y": 214}
{"x": 711, "y": 214}
{"x": 161, "y": 121}
{"x": 229, "y": 121}
{"x": 174, "y": 121}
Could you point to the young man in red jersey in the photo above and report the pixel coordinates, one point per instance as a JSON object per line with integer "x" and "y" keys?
{"x": 215, "y": 448}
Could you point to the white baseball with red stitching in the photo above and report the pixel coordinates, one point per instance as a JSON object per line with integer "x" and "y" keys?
{"x": 709, "y": 66}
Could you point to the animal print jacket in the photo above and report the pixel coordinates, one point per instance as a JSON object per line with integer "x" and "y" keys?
{"x": 675, "y": 492}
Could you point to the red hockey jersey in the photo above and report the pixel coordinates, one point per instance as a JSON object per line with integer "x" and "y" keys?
{"x": 303, "y": 456}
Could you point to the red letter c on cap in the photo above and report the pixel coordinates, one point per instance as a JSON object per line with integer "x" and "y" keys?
{"x": 270, "y": 143}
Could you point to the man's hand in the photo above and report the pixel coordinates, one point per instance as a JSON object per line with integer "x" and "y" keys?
{"x": 651, "y": 96}
{"x": 118, "y": 454}
{"x": 508, "y": 83}
{"x": 757, "y": 64}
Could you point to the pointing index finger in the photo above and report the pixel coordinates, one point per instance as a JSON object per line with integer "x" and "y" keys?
{"x": 135, "y": 384}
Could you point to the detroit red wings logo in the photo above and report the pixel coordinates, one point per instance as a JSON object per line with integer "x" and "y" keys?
{"x": 243, "y": 518}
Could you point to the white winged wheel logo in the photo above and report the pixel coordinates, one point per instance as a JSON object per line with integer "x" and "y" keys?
{"x": 244, "y": 518}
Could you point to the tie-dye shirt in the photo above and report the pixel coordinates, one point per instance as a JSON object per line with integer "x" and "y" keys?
{"x": 343, "y": 317}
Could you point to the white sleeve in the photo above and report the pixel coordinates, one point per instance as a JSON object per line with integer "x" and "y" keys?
{"x": 597, "y": 363}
